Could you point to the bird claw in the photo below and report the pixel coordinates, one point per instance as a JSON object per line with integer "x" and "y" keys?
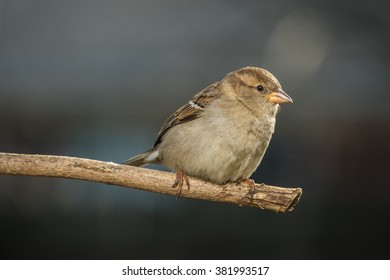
{"x": 252, "y": 187}
{"x": 181, "y": 177}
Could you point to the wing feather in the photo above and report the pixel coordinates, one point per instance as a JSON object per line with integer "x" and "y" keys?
{"x": 189, "y": 111}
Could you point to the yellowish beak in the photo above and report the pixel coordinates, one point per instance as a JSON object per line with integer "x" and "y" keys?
{"x": 279, "y": 97}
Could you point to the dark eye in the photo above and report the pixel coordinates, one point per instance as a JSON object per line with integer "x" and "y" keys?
{"x": 260, "y": 88}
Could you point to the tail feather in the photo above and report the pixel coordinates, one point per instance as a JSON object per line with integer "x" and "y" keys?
{"x": 150, "y": 156}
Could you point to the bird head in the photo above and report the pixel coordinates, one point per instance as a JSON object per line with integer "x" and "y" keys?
{"x": 253, "y": 86}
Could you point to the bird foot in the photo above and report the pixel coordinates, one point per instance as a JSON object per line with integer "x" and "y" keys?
{"x": 252, "y": 186}
{"x": 181, "y": 177}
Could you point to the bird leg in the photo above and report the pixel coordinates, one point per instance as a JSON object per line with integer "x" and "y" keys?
{"x": 181, "y": 177}
{"x": 251, "y": 184}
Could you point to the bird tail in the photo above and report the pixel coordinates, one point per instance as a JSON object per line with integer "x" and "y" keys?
{"x": 150, "y": 156}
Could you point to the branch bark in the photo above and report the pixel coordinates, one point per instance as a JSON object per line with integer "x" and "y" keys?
{"x": 265, "y": 197}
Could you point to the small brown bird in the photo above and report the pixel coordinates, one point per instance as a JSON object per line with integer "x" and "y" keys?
{"x": 222, "y": 133}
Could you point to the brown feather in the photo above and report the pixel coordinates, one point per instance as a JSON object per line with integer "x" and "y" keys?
{"x": 189, "y": 112}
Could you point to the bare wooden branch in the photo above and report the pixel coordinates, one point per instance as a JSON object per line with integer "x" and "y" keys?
{"x": 265, "y": 197}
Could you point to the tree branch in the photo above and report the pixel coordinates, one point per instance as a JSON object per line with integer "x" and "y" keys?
{"x": 265, "y": 197}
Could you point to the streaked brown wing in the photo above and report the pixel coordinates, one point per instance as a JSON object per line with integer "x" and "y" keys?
{"x": 189, "y": 111}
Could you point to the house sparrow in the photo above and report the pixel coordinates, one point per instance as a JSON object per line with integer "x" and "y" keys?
{"x": 222, "y": 133}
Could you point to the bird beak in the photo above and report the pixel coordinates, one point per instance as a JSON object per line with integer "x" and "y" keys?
{"x": 279, "y": 97}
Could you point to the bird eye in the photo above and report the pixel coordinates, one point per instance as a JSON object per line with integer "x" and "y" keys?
{"x": 260, "y": 88}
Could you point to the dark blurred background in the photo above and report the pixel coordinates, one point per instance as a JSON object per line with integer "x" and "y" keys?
{"x": 96, "y": 79}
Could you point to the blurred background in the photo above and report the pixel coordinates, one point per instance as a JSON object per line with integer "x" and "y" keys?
{"x": 96, "y": 79}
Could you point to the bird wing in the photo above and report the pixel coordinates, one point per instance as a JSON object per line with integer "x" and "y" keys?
{"x": 189, "y": 111}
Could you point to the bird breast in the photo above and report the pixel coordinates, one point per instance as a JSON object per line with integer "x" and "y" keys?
{"x": 229, "y": 150}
